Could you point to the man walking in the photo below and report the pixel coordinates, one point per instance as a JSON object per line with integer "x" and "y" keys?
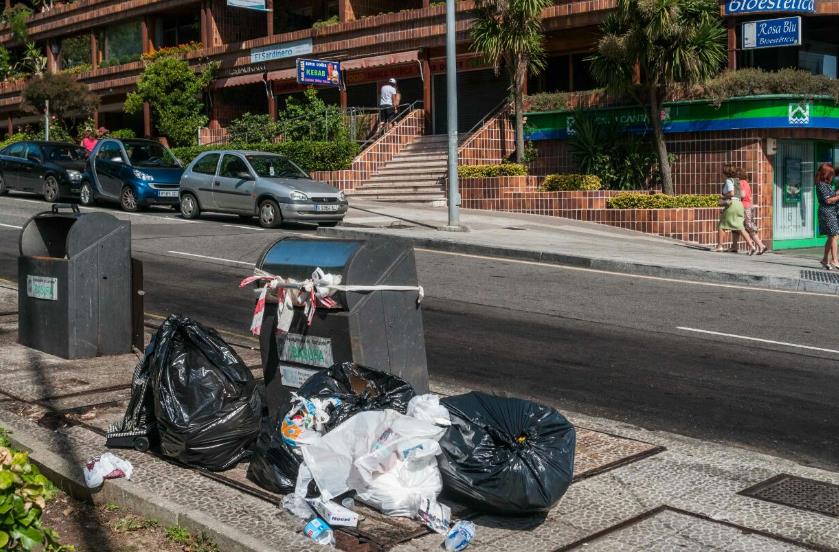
{"x": 388, "y": 100}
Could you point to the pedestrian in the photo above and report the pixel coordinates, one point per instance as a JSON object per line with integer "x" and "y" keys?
{"x": 103, "y": 132}
{"x": 732, "y": 215}
{"x": 88, "y": 141}
{"x": 828, "y": 214}
{"x": 749, "y": 218}
{"x": 388, "y": 100}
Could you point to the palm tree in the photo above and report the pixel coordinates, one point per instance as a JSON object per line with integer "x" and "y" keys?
{"x": 508, "y": 33}
{"x": 671, "y": 43}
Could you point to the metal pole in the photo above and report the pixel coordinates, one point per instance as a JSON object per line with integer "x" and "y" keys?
{"x": 47, "y": 120}
{"x": 451, "y": 110}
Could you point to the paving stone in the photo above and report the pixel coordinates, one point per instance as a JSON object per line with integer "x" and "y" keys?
{"x": 758, "y": 543}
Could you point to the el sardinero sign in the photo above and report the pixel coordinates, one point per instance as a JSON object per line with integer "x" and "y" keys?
{"x": 281, "y": 51}
{"x": 772, "y": 33}
{"x": 319, "y": 72}
{"x": 735, "y": 7}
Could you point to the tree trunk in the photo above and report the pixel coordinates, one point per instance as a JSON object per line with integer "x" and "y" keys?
{"x": 518, "y": 99}
{"x": 660, "y": 145}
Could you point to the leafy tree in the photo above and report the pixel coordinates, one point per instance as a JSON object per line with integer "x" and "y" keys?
{"x": 17, "y": 17}
{"x": 173, "y": 90}
{"x": 509, "y": 34}
{"x": 671, "y": 42}
{"x": 311, "y": 119}
{"x": 69, "y": 99}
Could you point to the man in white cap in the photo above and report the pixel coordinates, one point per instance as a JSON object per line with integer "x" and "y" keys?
{"x": 388, "y": 100}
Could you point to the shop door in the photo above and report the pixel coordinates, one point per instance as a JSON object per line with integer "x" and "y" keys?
{"x": 794, "y": 201}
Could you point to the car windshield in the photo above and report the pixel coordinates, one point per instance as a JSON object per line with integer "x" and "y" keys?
{"x": 274, "y": 166}
{"x": 65, "y": 153}
{"x": 150, "y": 154}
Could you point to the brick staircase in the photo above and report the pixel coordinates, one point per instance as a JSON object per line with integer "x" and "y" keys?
{"x": 415, "y": 175}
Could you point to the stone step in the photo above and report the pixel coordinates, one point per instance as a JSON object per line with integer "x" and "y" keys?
{"x": 419, "y": 158}
{"x": 405, "y": 198}
{"x": 400, "y": 187}
{"x": 396, "y": 192}
{"x": 405, "y": 178}
{"x": 419, "y": 170}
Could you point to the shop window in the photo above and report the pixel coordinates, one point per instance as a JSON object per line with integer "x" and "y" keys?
{"x": 817, "y": 63}
{"x": 121, "y": 44}
{"x": 582, "y": 73}
{"x": 75, "y": 52}
{"x": 553, "y": 78}
{"x": 294, "y": 15}
{"x": 176, "y": 29}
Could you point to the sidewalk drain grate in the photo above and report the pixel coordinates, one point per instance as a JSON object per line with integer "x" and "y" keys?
{"x": 804, "y": 494}
{"x": 820, "y": 276}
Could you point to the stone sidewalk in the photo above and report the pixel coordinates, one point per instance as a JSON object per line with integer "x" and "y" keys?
{"x": 633, "y": 490}
{"x": 582, "y": 244}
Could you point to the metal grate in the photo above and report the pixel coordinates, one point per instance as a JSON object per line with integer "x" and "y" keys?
{"x": 820, "y": 276}
{"x": 804, "y": 494}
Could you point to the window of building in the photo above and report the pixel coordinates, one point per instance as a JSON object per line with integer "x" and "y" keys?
{"x": 75, "y": 51}
{"x": 817, "y": 63}
{"x": 121, "y": 44}
{"x": 175, "y": 29}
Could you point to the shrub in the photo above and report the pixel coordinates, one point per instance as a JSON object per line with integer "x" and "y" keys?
{"x": 16, "y": 137}
{"x": 173, "y": 51}
{"x": 309, "y": 155}
{"x": 568, "y": 182}
{"x": 122, "y": 134}
{"x": 547, "y": 101}
{"x": 321, "y": 23}
{"x": 661, "y": 201}
{"x": 311, "y": 119}
{"x": 756, "y": 82}
{"x": 489, "y": 171}
{"x": 251, "y": 129}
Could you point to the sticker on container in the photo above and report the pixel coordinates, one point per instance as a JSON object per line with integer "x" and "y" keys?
{"x": 42, "y": 287}
{"x": 307, "y": 349}
{"x": 291, "y": 376}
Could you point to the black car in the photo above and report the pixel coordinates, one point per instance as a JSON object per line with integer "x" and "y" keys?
{"x": 50, "y": 169}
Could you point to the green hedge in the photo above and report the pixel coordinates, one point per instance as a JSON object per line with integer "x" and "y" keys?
{"x": 489, "y": 171}
{"x": 568, "y": 182}
{"x": 311, "y": 156}
{"x": 661, "y": 201}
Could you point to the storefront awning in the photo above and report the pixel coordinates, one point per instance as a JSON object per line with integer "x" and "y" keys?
{"x": 282, "y": 74}
{"x": 239, "y": 80}
{"x": 381, "y": 61}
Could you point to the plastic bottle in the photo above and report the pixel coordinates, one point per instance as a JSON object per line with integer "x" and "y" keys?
{"x": 320, "y": 532}
{"x": 460, "y": 536}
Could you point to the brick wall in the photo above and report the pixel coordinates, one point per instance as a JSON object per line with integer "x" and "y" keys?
{"x": 493, "y": 142}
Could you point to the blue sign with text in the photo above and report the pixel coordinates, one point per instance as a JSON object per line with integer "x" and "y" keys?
{"x": 772, "y": 33}
{"x": 733, "y": 7}
{"x": 314, "y": 71}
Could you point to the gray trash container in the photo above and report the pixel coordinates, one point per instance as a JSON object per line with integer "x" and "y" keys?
{"x": 74, "y": 284}
{"x": 381, "y": 330}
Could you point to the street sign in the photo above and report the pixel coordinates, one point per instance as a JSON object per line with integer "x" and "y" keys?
{"x": 281, "y": 51}
{"x": 772, "y": 33}
{"x": 735, "y": 7}
{"x": 315, "y": 71}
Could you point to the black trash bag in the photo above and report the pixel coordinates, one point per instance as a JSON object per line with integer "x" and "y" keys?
{"x": 275, "y": 462}
{"x": 200, "y": 397}
{"x": 506, "y": 455}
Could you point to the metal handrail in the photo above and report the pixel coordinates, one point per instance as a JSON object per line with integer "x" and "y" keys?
{"x": 505, "y": 103}
{"x": 405, "y": 109}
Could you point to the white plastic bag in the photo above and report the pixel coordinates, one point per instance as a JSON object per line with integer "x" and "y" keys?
{"x": 107, "y": 466}
{"x": 428, "y": 409}
{"x": 388, "y": 458}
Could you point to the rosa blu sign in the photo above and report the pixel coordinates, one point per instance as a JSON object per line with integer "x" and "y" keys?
{"x": 772, "y": 33}
{"x": 733, "y": 7}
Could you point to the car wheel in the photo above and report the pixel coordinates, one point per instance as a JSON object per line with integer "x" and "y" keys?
{"x": 3, "y": 189}
{"x": 51, "y": 192}
{"x": 128, "y": 200}
{"x": 189, "y": 207}
{"x": 269, "y": 214}
{"x": 86, "y": 195}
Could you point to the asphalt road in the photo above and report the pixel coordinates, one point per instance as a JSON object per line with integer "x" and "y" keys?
{"x": 624, "y": 347}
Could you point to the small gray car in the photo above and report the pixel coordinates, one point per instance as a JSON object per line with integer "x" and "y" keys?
{"x": 253, "y": 183}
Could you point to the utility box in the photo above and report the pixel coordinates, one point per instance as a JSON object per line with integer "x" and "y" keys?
{"x": 381, "y": 329}
{"x": 74, "y": 284}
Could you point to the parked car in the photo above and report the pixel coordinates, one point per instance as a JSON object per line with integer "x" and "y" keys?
{"x": 253, "y": 183}
{"x": 134, "y": 173}
{"x": 50, "y": 169}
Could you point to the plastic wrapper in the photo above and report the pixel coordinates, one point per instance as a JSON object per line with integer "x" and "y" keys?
{"x": 328, "y": 398}
{"x": 506, "y": 455}
{"x": 107, "y": 466}
{"x": 428, "y": 408}
{"x": 194, "y": 392}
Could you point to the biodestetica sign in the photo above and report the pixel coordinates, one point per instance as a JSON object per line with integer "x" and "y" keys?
{"x": 757, "y": 6}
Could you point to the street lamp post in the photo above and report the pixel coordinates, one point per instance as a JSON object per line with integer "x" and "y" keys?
{"x": 451, "y": 101}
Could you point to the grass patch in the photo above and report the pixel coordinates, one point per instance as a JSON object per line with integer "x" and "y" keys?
{"x": 133, "y": 523}
{"x": 193, "y": 543}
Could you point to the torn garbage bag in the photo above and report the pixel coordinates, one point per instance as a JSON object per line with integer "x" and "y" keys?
{"x": 506, "y": 455}
{"x": 205, "y": 404}
{"x": 389, "y": 459}
{"x": 324, "y": 401}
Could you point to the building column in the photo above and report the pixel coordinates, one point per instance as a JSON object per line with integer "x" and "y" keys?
{"x": 269, "y": 17}
{"x": 146, "y": 120}
{"x": 343, "y": 98}
{"x": 427, "y": 80}
{"x": 202, "y": 23}
{"x": 272, "y": 104}
{"x": 10, "y": 127}
{"x": 94, "y": 51}
{"x": 570, "y": 73}
{"x": 8, "y": 4}
{"x": 345, "y": 12}
{"x": 145, "y": 38}
{"x": 52, "y": 59}
{"x": 95, "y": 118}
{"x": 426, "y": 3}
{"x": 732, "y": 46}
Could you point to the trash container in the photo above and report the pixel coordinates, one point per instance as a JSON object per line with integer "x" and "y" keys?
{"x": 74, "y": 284}
{"x": 379, "y": 329}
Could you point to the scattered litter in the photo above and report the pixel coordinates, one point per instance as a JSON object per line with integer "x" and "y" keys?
{"x": 320, "y": 532}
{"x": 506, "y": 455}
{"x": 435, "y": 515}
{"x": 333, "y": 513}
{"x": 428, "y": 409}
{"x": 348, "y": 502}
{"x": 460, "y": 536}
{"x": 297, "y": 505}
{"x": 107, "y": 466}
{"x": 89, "y": 415}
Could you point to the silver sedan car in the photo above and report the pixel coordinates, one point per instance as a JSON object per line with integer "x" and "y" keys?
{"x": 253, "y": 183}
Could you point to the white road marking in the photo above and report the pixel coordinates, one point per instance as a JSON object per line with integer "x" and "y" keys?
{"x": 246, "y": 227}
{"x": 759, "y": 340}
{"x": 10, "y": 226}
{"x": 627, "y": 275}
{"x": 210, "y": 258}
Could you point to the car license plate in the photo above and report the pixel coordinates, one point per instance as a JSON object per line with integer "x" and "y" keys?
{"x": 327, "y": 207}
{"x": 167, "y": 193}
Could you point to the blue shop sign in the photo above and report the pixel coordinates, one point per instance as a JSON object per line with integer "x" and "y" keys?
{"x": 734, "y": 7}
{"x": 315, "y": 71}
{"x": 772, "y": 33}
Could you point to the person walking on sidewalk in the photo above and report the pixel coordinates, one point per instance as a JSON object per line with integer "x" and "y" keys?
{"x": 828, "y": 214}
{"x": 749, "y": 218}
{"x": 732, "y": 215}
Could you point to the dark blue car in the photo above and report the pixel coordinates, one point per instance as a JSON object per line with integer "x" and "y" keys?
{"x": 134, "y": 173}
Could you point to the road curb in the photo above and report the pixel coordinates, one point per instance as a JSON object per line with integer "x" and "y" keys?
{"x": 608, "y": 265}
{"x": 68, "y": 477}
